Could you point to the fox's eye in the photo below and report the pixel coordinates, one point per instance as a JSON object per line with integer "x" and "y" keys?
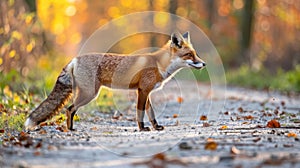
{"x": 188, "y": 55}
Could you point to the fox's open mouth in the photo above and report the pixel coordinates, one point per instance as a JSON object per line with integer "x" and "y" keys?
{"x": 197, "y": 65}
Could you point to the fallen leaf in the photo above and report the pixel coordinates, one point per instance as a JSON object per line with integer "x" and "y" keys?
{"x": 293, "y": 115}
{"x": 260, "y": 126}
{"x": 256, "y": 139}
{"x": 22, "y": 133}
{"x": 205, "y": 124}
{"x": 107, "y": 132}
{"x": 291, "y": 134}
{"x": 273, "y": 124}
{"x": 94, "y": 129}
{"x": 240, "y": 109}
{"x": 1, "y": 107}
{"x": 59, "y": 129}
{"x": 235, "y": 151}
{"x": 159, "y": 156}
{"x": 2, "y": 131}
{"x": 274, "y": 161}
{"x": 249, "y": 117}
{"x": 203, "y": 118}
{"x": 276, "y": 112}
{"x": 37, "y": 153}
{"x": 62, "y": 129}
{"x": 179, "y": 99}
{"x": 42, "y": 132}
{"x": 175, "y": 115}
{"x": 28, "y": 143}
{"x": 76, "y": 117}
{"x": 288, "y": 145}
{"x": 223, "y": 127}
{"x": 160, "y": 160}
{"x": 23, "y": 136}
{"x": 226, "y": 113}
{"x": 210, "y": 140}
{"x": 185, "y": 146}
{"x": 52, "y": 148}
{"x": 39, "y": 145}
{"x": 211, "y": 145}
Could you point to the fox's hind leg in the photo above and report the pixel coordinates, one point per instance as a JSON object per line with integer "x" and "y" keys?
{"x": 70, "y": 115}
{"x": 82, "y": 98}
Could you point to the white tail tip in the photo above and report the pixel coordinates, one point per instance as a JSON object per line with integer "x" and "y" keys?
{"x": 29, "y": 124}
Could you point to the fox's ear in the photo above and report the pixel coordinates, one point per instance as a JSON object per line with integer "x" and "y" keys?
{"x": 177, "y": 39}
{"x": 186, "y": 37}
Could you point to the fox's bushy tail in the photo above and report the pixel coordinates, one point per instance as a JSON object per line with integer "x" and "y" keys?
{"x": 55, "y": 101}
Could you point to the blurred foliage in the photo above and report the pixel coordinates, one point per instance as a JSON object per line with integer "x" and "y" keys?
{"x": 38, "y": 40}
{"x": 263, "y": 79}
{"x": 22, "y": 38}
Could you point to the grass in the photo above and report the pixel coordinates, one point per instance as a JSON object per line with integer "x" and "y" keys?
{"x": 262, "y": 79}
{"x": 13, "y": 108}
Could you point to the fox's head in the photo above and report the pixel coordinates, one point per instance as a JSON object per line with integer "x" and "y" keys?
{"x": 183, "y": 53}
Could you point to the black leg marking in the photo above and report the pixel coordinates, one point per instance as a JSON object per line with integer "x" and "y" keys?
{"x": 70, "y": 120}
{"x": 142, "y": 127}
{"x": 156, "y": 126}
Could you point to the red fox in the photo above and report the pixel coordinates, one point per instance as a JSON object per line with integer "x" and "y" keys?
{"x": 85, "y": 74}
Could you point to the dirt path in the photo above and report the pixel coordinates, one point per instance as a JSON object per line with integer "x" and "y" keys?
{"x": 235, "y": 134}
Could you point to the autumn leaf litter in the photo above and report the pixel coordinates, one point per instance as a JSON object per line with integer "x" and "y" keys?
{"x": 253, "y": 128}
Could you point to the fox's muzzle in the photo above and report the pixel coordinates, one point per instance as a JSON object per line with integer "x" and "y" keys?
{"x": 197, "y": 64}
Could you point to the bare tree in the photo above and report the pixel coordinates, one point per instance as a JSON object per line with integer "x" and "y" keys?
{"x": 246, "y": 30}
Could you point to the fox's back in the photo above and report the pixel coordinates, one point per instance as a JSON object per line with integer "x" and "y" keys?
{"x": 112, "y": 70}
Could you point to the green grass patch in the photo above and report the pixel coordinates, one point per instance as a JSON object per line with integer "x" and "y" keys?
{"x": 14, "y": 108}
{"x": 262, "y": 79}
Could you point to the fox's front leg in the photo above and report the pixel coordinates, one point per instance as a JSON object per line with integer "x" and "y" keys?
{"x": 151, "y": 116}
{"x": 143, "y": 102}
{"x": 140, "y": 110}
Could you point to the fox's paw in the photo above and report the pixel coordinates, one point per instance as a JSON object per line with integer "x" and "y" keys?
{"x": 145, "y": 129}
{"x": 159, "y": 127}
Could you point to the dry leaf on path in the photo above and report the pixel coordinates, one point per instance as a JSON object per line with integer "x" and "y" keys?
{"x": 179, "y": 99}
{"x": 205, "y": 124}
{"x": 273, "y": 124}
{"x": 240, "y": 109}
{"x": 291, "y": 134}
{"x": 235, "y": 151}
{"x": 203, "y": 118}
{"x": 223, "y": 127}
{"x": 160, "y": 161}
{"x": 43, "y": 132}
{"x": 94, "y": 129}
{"x": 211, "y": 144}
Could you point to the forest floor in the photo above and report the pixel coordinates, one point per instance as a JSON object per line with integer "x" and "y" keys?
{"x": 203, "y": 127}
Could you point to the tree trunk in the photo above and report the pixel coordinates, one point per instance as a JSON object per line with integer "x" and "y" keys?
{"x": 211, "y": 12}
{"x": 246, "y": 31}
